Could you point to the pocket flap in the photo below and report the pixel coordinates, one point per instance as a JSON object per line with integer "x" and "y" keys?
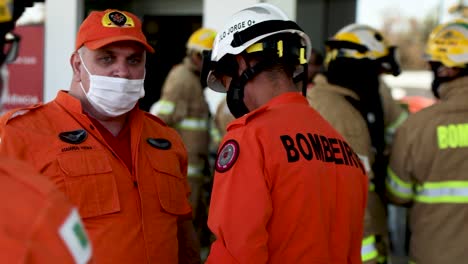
{"x": 169, "y": 164}
{"x": 79, "y": 164}
{"x": 171, "y": 184}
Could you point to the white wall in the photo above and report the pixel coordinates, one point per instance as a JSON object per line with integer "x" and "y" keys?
{"x": 60, "y": 31}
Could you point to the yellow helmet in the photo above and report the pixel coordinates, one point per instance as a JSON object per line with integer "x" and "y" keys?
{"x": 201, "y": 39}
{"x": 359, "y": 41}
{"x": 448, "y": 44}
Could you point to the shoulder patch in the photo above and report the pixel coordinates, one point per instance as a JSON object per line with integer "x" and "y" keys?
{"x": 74, "y": 236}
{"x": 227, "y": 156}
{"x": 20, "y": 111}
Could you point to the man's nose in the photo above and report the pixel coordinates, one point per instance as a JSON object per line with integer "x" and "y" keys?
{"x": 122, "y": 71}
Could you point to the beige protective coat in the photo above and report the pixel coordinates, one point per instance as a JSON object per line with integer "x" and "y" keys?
{"x": 429, "y": 172}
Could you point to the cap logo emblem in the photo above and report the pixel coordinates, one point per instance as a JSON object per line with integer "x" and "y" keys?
{"x": 117, "y": 19}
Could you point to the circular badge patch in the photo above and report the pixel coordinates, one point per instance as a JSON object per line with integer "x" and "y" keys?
{"x": 227, "y": 156}
{"x": 118, "y": 18}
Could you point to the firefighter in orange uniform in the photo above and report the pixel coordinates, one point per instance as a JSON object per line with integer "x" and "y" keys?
{"x": 37, "y": 224}
{"x": 287, "y": 187}
{"x": 428, "y": 168}
{"x": 123, "y": 168}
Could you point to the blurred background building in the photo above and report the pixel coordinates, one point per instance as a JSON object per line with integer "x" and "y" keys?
{"x": 168, "y": 23}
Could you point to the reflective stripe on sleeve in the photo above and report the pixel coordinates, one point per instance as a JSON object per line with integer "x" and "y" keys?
{"x": 163, "y": 107}
{"x": 195, "y": 170}
{"x": 368, "y": 249}
{"x": 215, "y": 135}
{"x": 365, "y": 161}
{"x": 391, "y": 128}
{"x": 397, "y": 186}
{"x": 442, "y": 192}
{"x": 193, "y": 124}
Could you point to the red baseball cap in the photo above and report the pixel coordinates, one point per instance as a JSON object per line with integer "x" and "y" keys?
{"x": 104, "y": 27}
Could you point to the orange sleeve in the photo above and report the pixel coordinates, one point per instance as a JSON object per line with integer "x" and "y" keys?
{"x": 240, "y": 206}
{"x": 58, "y": 234}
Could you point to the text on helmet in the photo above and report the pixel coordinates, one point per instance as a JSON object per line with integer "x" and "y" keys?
{"x": 236, "y": 27}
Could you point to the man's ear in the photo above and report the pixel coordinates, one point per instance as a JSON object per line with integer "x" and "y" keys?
{"x": 242, "y": 63}
{"x": 75, "y": 63}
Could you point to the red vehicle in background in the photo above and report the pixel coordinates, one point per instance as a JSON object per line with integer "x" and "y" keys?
{"x": 415, "y": 103}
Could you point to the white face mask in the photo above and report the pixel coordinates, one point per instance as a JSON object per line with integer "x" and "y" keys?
{"x": 111, "y": 96}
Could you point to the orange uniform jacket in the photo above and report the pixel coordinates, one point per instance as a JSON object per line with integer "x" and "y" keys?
{"x": 131, "y": 217}
{"x": 37, "y": 223}
{"x": 287, "y": 189}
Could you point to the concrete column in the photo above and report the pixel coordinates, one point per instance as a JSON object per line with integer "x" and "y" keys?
{"x": 61, "y": 25}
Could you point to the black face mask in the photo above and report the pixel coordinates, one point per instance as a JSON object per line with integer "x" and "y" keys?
{"x": 235, "y": 98}
{"x": 437, "y": 81}
{"x": 235, "y": 94}
{"x": 361, "y": 76}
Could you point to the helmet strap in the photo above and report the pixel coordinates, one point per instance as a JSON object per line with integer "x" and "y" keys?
{"x": 235, "y": 93}
{"x": 304, "y": 78}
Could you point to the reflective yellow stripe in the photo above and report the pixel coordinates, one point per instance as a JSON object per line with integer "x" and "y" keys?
{"x": 215, "y": 135}
{"x": 391, "y": 128}
{"x": 368, "y": 249}
{"x": 254, "y": 48}
{"x": 381, "y": 259}
{"x": 365, "y": 161}
{"x": 163, "y": 107}
{"x": 193, "y": 124}
{"x": 398, "y": 187}
{"x": 442, "y": 192}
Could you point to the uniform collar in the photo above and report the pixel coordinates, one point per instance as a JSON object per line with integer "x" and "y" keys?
{"x": 285, "y": 98}
{"x": 72, "y": 104}
{"x": 187, "y": 61}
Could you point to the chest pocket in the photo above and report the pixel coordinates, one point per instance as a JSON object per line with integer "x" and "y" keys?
{"x": 171, "y": 184}
{"x": 89, "y": 182}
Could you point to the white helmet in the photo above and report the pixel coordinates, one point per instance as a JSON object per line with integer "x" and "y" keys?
{"x": 246, "y": 28}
